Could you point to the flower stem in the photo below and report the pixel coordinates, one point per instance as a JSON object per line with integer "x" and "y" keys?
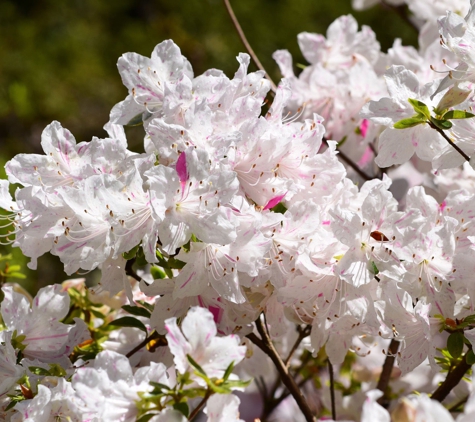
{"x": 442, "y": 133}
{"x": 153, "y": 336}
{"x": 197, "y": 409}
{"x": 332, "y": 389}
{"x": 385, "y": 376}
{"x": 247, "y": 46}
{"x": 266, "y": 345}
{"x": 453, "y": 378}
{"x": 352, "y": 164}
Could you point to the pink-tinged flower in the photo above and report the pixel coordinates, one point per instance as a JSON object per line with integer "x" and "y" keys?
{"x": 223, "y": 408}
{"x": 53, "y": 404}
{"x": 396, "y": 146}
{"x": 147, "y": 80}
{"x": 421, "y": 408}
{"x": 192, "y": 199}
{"x": 372, "y": 411}
{"x": 110, "y": 389}
{"x": 10, "y": 372}
{"x": 169, "y": 415}
{"x": 37, "y": 328}
{"x": 197, "y": 338}
{"x": 409, "y": 324}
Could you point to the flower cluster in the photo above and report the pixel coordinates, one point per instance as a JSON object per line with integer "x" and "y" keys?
{"x": 244, "y": 219}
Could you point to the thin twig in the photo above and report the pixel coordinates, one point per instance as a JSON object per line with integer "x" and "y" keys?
{"x": 387, "y": 369}
{"x": 266, "y": 345}
{"x": 454, "y": 407}
{"x": 197, "y": 409}
{"x": 351, "y": 163}
{"x": 130, "y": 271}
{"x": 456, "y": 147}
{"x": 302, "y": 334}
{"x": 453, "y": 378}
{"x": 153, "y": 336}
{"x": 402, "y": 13}
{"x": 271, "y": 402}
{"x": 247, "y": 46}
{"x": 332, "y": 389}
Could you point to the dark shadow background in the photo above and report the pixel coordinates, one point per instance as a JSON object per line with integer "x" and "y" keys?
{"x": 58, "y": 58}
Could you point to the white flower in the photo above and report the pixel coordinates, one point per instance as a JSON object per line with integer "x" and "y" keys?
{"x": 197, "y": 338}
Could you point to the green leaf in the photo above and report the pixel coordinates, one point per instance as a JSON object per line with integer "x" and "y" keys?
{"x": 237, "y": 384}
{"x": 457, "y": 114}
{"x": 182, "y": 408}
{"x": 470, "y": 357}
{"x": 137, "y": 311}
{"x": 132, "y": 253}
{"x": 374, "y": 268}
{"x": 56, "y": 370}
{"x": 146, "y": 418}
{"x": 135, "y": 121}
{"x": 455, "y": 344}
{"x": 129, "y": 322}
{"x": 220, "y": 389}
{"x": 158, "y": 273}
{"x": 149, "y": 306}
{"x": 12, "y": 404}
{"x": 441, "y": 124}
{"x": 39, "y": 371}
{"x": 196, "y": 366}
{"x": 229, "y": 369}
{"x": 419, "y": 107}
{"x": 470, "y": 318}
{"x": 410, "y": 122}
{"x": 97, "y": 314}
{"x": 16, "y": 275}
{"x": 279, "y": 208}
{"x": 159, "y": 385}
{"x": 175, "y": 263}
{"x": 340, "y": 144}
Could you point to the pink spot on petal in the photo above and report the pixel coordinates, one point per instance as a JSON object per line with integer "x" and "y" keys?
{"x": 181, "y": 169}
{"x": 274, "y": 201}
{"x": 364, "y": 127}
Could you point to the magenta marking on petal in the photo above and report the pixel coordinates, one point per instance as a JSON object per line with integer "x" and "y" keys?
{"x": 217, "y": 313}
{"x": 68, "y": 245}
{"x": 189, "y": 279}
{"x": 181, "y": 169}
{"x": 366, "y": 157}
{"x": 274, "y": 201}
{"x": 326, "y": 222}
{"x": 364, "y": 127}
{"x": 45, "y": 337}
{"x": 443, "y": 205}
{"x": 172, "y": 337}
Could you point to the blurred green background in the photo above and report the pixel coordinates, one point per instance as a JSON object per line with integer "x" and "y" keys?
{"x": 58, "y": 58}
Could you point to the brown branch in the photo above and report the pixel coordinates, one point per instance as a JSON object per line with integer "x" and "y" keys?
{"x": 130, "y": 271}
{"x": 332, "y": 389}
{"x": 456, "y": 147}
{"x": 266, "y": 345}
{"x": 302, "y": 334}
{"x": 351, "y": 163}
{"x": 197, "y": 409}
{"x": 270, "y": 402}
{"x": 385, "y": 376}
{"x": 153, "y": 336}
{"x": 453, "y": 378}
{"x": 246, "y": 44}
{"x": 455, "y": 407}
